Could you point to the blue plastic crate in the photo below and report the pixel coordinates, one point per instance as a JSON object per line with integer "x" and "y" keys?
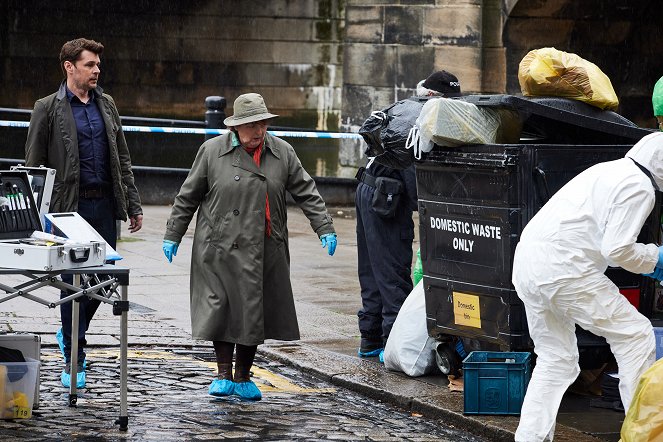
{"x": 495, "y": 382}
{"x": 658, "y": 334}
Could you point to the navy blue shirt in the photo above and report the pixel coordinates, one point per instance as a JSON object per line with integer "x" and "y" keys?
{"x": 93, "y": 149}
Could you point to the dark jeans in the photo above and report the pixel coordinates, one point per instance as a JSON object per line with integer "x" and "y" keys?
{"x": 100, "y": 214}
{"x": 384, "y": 252}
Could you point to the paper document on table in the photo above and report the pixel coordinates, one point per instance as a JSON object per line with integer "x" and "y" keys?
{"x": 74, "y": 227}
{"x": 51, "y": 238}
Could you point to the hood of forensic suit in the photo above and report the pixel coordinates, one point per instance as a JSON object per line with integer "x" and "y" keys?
{"x": 648, "y": 152}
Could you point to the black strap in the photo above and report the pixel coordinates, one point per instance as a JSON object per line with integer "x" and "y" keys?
{"x": 646, "y": 172}
{"x": 365, "y": 177}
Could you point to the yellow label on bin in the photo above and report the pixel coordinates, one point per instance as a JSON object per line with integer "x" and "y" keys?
{"x": 466, "y": 309}
{"x": 22, "y": 412}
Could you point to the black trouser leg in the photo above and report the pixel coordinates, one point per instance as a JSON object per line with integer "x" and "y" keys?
{"x": 384, "y": 248}
{"x": 100, "y": 214}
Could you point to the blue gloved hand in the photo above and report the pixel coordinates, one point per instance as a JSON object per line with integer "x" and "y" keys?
{"x": 659, "y": 264}
{"x": 329, "y": 240}
{"x": 656, "y": 274}
{"x": 169, "y": 249}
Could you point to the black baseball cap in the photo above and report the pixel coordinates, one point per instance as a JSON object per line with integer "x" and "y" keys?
{"x": 443, "y": 82}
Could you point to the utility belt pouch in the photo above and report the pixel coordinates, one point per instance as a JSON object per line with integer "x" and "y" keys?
{"x": 386, "y": 196}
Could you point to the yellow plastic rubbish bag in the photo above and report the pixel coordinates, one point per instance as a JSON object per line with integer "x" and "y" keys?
{"x": 22, "y": 408}
{"x": 644, "y": 419}
{"x": 550, "y": 72}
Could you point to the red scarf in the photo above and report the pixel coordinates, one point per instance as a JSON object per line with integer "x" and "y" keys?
{"x": 256, "y": 153}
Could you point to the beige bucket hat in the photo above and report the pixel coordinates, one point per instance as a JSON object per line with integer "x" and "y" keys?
{"x": 248, "y": 108}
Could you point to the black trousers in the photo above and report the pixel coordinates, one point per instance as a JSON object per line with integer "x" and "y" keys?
{"x": 384, "y": 248}
{"x": 100, "y": 214}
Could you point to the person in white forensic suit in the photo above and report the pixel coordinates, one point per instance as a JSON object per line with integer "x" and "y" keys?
{"x": 558, "y": 272}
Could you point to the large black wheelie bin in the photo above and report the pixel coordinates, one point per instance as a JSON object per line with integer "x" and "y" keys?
{"x": 474, "y": 202}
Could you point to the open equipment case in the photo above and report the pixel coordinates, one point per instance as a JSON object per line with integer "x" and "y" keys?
{"x": 43, "y": 258}
{"x": 20, "y": 217}
{"x": 41, "y": 181}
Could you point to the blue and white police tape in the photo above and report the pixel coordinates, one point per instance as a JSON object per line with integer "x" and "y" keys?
{"x": 193, "y": 130}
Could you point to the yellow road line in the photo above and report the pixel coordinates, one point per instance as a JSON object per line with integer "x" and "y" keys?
{"x": 266, "y": 380}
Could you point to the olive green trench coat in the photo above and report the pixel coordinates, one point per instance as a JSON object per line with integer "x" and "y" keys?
{"x": 240, "y": 278}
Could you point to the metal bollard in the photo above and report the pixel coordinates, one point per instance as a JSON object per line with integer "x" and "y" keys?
{"x": 215, "y": 113}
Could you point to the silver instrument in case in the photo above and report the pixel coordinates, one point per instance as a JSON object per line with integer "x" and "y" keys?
{"x": 20, "y": 217}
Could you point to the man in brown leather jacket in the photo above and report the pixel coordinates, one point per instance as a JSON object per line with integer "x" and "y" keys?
{"x": 77, "y": 132}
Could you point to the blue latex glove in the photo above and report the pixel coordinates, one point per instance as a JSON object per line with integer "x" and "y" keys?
{"x": 656, "y": 274}
{"x": 659, "y": 264}
{"x": 170, "y": 249}
{"x": 329, "y": 240}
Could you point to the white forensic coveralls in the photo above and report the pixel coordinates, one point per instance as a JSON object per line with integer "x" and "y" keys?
{"x": 558, "y": 272}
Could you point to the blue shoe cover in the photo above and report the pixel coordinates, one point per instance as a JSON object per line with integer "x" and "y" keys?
{"x": 381, "y": 357}
{"x": 370, "y": 354}
{"x": 80, "y": 379}
{"x": 221, "y": 387}
{"x": 65, "y": 378}
{"x": 247, "y": 390}
{"x": 60, "y": 338}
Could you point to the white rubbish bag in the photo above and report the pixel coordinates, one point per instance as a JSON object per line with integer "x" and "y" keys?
{"x": 409, "y": 348}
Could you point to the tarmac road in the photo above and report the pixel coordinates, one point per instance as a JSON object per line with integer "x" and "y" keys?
{"x": 327, "y": 299}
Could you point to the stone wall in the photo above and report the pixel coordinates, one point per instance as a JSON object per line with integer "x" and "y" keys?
{"x": 163, "y": 58}
{"x": 391, "y": 45}
{"x": 323, "y": 64}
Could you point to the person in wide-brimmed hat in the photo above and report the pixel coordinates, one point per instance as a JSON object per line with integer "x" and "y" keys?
{"x": 240, "y": 278}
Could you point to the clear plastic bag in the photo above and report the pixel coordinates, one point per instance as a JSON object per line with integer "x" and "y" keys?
{"x": 451, "y": 122}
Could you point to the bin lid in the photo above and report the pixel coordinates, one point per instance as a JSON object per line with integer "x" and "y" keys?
{"x": 555, "y": 120}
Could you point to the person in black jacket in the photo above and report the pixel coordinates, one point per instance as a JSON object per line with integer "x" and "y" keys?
{"x": 385, "y": 200}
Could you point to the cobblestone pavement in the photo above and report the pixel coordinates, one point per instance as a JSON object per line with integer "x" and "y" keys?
{"x": 327, "y": 299}
{"x": 168, "y": 401}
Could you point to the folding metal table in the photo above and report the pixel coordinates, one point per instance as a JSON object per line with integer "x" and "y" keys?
{"x": 111, "y": 288}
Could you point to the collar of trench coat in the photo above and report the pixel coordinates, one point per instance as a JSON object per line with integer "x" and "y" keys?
{"x": 269, "y": 145}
